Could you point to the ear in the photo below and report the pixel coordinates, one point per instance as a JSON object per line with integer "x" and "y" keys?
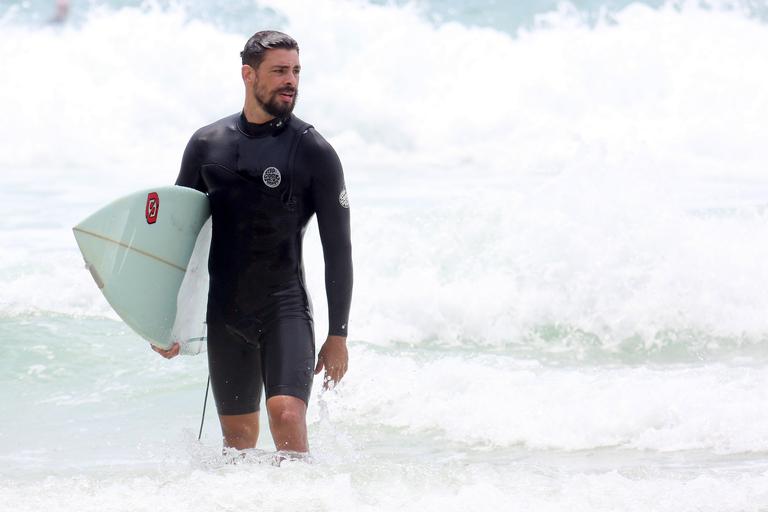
{"x": 248, "y": 74}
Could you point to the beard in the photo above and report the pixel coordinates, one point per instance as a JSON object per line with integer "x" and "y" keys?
{"x": 271, "y": 104}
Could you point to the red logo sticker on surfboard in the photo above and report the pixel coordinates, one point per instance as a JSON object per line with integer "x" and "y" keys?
{"x": 153, "y": 206}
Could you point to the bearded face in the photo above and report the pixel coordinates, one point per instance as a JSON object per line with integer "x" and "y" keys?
{"x": 274, "y": 82}
{"x": 276, "y": 101}
{"x": 272, "y": 86}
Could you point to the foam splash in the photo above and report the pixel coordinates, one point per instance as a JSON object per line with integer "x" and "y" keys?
{"x": 497, "y": 402}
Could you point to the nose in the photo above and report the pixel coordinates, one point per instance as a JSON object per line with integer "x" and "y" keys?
{"x": 292, "y": 78}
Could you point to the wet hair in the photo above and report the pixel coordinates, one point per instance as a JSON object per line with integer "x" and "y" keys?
{"x": 256, "y": 47}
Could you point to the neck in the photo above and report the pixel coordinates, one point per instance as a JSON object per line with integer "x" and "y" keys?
{"x": 254, "y": 113}
{"x": 260, "y": 129}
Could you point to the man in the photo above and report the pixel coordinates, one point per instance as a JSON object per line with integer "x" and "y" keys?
{"x": 266, "y": 173}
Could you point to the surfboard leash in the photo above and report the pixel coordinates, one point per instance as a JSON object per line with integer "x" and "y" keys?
{"x": 205, "y": 402}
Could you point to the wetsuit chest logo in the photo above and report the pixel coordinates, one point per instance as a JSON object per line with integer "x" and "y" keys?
{"x": 271, "y": 177}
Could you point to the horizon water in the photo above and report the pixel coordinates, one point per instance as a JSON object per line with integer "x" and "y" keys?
{"x": 559, "y": 215}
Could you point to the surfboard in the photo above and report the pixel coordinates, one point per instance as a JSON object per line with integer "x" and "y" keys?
{"x": 138, "y": 249}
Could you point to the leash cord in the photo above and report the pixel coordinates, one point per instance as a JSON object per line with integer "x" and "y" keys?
{"x": 205, "y": 402}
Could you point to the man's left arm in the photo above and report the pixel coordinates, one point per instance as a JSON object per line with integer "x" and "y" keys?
{"x": 332, "y": 207}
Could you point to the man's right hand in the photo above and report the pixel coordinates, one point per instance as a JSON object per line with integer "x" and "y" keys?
{"x": 170, "y": 353}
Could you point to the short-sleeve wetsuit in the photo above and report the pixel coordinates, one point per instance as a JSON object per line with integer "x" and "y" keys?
{"x": 264, "y": 183}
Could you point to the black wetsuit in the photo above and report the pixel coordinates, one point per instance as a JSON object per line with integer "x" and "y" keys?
{"x": 264, "y": 183}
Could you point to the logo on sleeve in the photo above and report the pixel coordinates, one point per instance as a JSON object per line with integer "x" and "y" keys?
{"x": 271, "y": 177}
{"x": 343, "y": 199}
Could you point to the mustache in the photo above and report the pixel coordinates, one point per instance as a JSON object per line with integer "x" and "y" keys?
{"x": 291, "y": 90}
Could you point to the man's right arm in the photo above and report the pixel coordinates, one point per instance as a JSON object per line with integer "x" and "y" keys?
{"x": 189, "y": 176}
{"x": 191, "y": 164}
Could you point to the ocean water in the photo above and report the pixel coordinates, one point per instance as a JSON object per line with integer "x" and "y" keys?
{"x": 559, "y": 218}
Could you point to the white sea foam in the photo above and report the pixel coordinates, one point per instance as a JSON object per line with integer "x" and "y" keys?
{"x": 381, "y": 485}
{"x": 503, "y": 402}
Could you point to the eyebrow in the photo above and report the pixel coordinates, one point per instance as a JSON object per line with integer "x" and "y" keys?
{"x": 283, "y": 66}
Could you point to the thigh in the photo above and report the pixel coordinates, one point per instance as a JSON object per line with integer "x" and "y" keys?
{"x": 288, "y": 358}
{"x": 235, "y": 368}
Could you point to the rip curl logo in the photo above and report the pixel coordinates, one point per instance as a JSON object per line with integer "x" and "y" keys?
{"x": 343, "y": 199}
{"x": 271, "y": 177}
{"x": 152, "y": 208}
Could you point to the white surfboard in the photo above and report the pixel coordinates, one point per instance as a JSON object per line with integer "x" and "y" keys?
{"x": 138, "y": 250}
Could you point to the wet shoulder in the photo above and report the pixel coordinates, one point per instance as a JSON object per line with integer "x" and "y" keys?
{"x": 314, "y": 146}
{"x": 218, "y": 130}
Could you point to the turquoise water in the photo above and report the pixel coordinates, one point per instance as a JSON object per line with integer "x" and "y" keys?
{"x": 558, "y": 226}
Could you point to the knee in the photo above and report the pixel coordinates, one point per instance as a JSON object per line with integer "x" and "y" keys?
{"x": 289, "y": 417}
{"x": 286, "y": 415}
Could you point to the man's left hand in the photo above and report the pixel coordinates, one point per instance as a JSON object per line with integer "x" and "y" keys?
{"x": 334, "y": 358}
